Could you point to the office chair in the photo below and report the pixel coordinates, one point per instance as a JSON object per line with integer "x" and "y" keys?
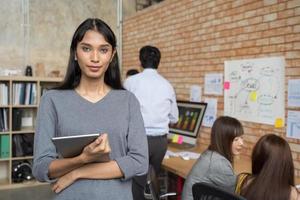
{"x": 205, "y": 191}
{"x": 152, "y": 189}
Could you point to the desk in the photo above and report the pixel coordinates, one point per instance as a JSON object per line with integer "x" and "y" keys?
{"x": 181, "y": 167}
{"x": 177, "y": 165}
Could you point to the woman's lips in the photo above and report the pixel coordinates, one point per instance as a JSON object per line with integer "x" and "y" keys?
{"x": 94, "y": 68}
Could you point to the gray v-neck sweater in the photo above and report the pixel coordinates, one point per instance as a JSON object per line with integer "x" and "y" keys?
{"x": 64, "y": 112}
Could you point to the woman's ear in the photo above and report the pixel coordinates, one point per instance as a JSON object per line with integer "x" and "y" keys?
{"x": 75, "y": 57}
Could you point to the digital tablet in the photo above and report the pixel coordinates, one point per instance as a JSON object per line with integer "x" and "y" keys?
{"x": 71, "y": 146}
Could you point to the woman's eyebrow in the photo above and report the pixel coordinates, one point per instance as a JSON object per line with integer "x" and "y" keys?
{"x": 89, "y": 45}
{"x": 85, "y": 44}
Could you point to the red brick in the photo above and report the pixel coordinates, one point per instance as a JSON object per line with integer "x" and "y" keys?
{"x": 270, "y": 17}
{"x": 293, "y": 3}
{"x": 293, "y": 20}
{"x": 292, "y": 54}
{"x": 269, "y": 2}
{"x": 296, "y": 29}
{"x": 264, "y": 41}
{"x": 277, "y": 23}
{"x": 286, "y": 13}
{"x": 277, "y": 40}
{"x": 296, "y": 45}
{"x": 292, "y": 37}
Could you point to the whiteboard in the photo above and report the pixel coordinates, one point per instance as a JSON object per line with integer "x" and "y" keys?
{"x": 254, "y": 89}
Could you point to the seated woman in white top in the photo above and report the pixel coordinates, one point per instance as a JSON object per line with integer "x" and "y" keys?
{"x": 272, "y": 171}
{"x": 215, "y": 164}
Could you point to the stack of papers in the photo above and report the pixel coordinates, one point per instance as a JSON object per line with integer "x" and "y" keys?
{"x": 189, "y": 154}
{"x": 171, "y": 154}
{"x": 183, "y": 154}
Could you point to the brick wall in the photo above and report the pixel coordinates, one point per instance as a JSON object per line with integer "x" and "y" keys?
{"x": 197, "y": 36}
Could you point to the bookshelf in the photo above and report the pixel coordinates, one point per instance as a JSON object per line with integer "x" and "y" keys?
{"x": 19, "y": 100}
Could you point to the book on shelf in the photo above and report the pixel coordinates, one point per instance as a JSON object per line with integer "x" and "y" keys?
{"x": 17, "y": 146}
{"x": 3, "y": 120}
{"x": 24, "y": 93}
{"x": 15, "y": 93}
{"x": 26, "y": 96}
{"x": 2, "y": 127}
{"x": 33, "y": 93}
{"x": 27, "y": 119}
{"x": 4, "y": 146}
{"x": 22, "y": 145}
{"x": 16, "y": 119}
{"x": 3, "y": 94}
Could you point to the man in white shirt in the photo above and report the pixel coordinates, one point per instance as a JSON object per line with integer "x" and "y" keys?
{"x": 159, "y": 108}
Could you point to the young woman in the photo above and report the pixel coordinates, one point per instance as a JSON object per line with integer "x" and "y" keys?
{"x": 91, "y": 99}
{"x": 215, "y": 164}
{"x": 272, "y": 171}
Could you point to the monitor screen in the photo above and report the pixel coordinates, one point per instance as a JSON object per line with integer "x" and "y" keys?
{"x": 190, "y": 119}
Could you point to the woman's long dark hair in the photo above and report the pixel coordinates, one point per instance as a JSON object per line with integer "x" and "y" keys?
{"x": 272, "y": 170}
{"x": 112, "y": 75}
{"x": 223, "y": 132}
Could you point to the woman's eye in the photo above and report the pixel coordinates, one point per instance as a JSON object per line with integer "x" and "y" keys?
{"x": 86, "y": 49}
{"x": 104, "y": 50}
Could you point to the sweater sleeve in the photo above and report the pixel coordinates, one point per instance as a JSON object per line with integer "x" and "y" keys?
{"x": 222, "y": 175}
{"x": 135, "y": 163}
{"x": 44, "y": 149}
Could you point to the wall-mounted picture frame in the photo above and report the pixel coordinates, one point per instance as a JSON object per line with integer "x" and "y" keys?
{"x": 190, "y": 118}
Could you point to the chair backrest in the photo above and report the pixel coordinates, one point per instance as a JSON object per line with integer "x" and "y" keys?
{"x": 241, "y": 180}
{"x": 205, "y": 191}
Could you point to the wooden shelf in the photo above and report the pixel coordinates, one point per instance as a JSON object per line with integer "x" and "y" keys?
{"x": 22, "y": 158}
{"x": 39, "y": 83}
{"x": 24, "y": 106}
{"x": 5, "y": 185}
{"x": 23, "y": 131}
{"x": 30, "y": 79}
{"x": 4, "y": 106}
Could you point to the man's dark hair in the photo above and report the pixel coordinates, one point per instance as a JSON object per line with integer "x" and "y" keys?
{"x": 131, "y": 72}
{"x": 149, "y": 57}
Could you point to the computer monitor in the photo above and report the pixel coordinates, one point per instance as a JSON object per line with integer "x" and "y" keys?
{"x": 189, "y": 122}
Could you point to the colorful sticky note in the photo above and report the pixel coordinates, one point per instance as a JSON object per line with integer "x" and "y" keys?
{"x": 279, "y": 123}
{"x": 175, "y": 139}
{"x": 253, "y": 96}
{"x": 180, "y": 139}
{"x": 226, "y": 85}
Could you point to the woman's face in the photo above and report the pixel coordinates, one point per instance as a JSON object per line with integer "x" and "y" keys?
{"x": 237, "y": 145}
{"x": 93, "y": 54}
